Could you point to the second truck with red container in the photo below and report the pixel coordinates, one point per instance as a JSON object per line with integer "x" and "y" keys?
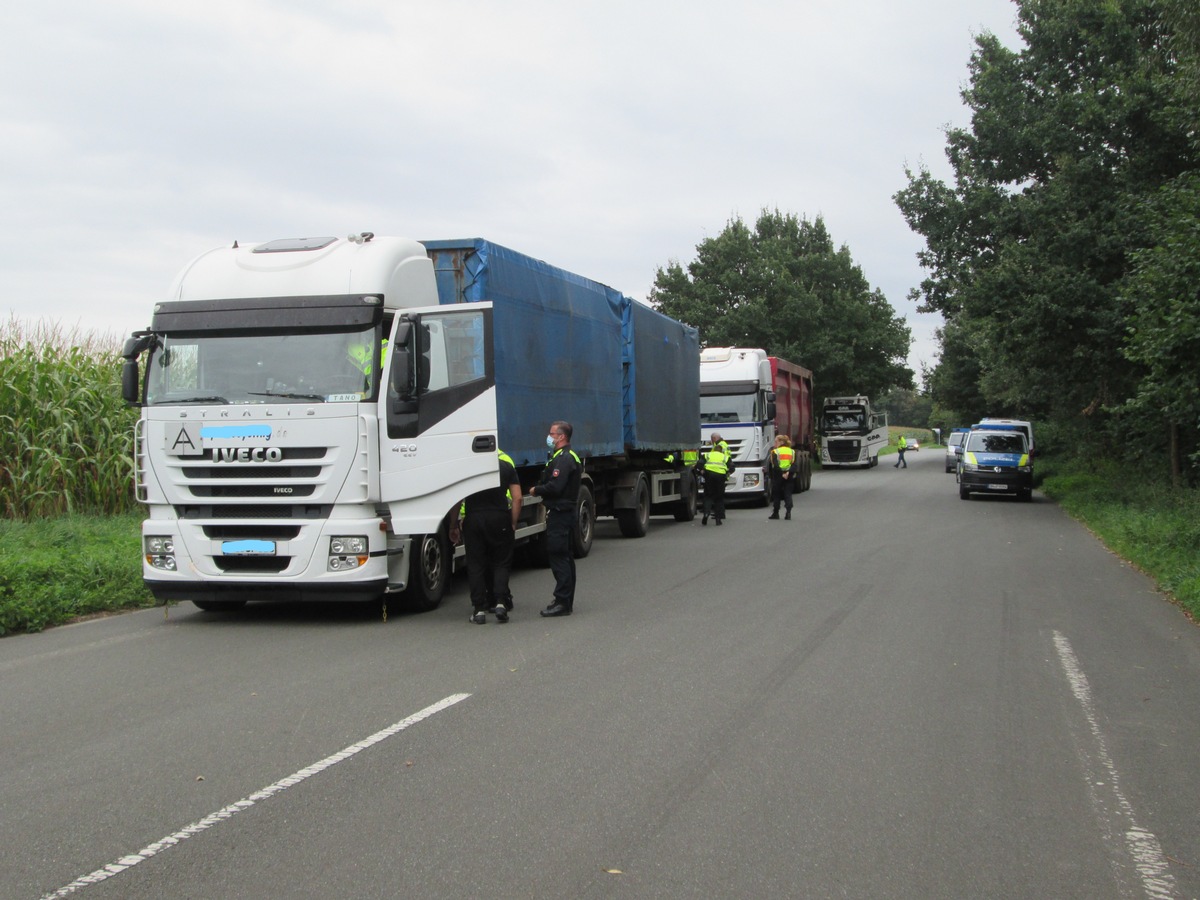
{"x": 748, "y": 397}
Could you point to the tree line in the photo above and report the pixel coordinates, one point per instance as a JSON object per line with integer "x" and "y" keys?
{"x": 1063, "y": 253}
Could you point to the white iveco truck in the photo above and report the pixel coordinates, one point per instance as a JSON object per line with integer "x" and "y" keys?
{"x": 313, "y": 412}
{"x": 736, "y": 402}
{"x": 852, "y": 434}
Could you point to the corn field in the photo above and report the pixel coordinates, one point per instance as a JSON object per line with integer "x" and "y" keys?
{"x": 66, "y": 436}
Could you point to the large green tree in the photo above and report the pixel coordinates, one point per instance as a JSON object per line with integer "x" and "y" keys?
{"x": 1164, "y": 285}
{"x": 785, "y": 288}
{"x": 1028, "y": 247}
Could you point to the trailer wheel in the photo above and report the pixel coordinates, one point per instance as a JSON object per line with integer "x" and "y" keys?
{"x": 685, "y": 509}
{"x": 634, "y": 522}
{"x": 429, "y": 570}
{"x": 585, "y": 522}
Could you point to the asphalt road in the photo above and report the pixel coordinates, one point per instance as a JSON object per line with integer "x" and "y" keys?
{"x": 896, "y": 694}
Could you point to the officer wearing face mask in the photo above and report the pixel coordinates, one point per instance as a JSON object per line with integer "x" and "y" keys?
{"x": 559, "y": 490}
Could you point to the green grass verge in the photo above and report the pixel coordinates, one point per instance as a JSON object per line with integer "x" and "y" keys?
{"x": 1150, "y": 524}
{"x": 55, "y": 570}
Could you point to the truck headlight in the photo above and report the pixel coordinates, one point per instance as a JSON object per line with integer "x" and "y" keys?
{"x": 347, "y": 552}
{"x": 339, "y": 546}
{"x": 750, "y": 479}
{"x": 159, "y": 551}
{"x": 156, "y": 544}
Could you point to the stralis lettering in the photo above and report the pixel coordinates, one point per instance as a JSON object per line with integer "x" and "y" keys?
{"x": 247, "y": 454}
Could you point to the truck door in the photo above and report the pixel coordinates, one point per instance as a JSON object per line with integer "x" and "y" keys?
{"x": 438, "y": 434}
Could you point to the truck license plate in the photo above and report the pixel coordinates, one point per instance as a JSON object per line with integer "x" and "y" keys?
{"x": 248, "y": 548}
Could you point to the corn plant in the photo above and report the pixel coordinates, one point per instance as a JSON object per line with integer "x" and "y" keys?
{"x": 65, "y": 433}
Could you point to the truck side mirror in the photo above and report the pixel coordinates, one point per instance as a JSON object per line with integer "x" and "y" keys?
{"x": 130, "y": 382}
{"x": 401, "y": 353}
{"x": 771, "y": 409}
{"x": 135, "y": 345}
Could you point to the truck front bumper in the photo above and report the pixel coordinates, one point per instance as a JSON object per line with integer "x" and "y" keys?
{"x": 207, "y": 591}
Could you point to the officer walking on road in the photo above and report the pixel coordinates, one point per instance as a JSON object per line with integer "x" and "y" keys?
{"x": 901, "y": 446}
{"x": 559, "y": 490}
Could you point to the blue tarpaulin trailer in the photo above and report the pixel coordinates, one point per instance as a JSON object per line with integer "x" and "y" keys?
{"x": 567, "y": 347}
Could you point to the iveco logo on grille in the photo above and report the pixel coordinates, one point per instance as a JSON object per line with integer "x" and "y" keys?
{"x": 247, "y": 454}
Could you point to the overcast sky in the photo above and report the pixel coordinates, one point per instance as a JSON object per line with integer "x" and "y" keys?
{"x": 607, "y": 138}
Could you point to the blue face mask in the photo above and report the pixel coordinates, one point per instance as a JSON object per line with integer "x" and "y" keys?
{"x": 550, "y": 442}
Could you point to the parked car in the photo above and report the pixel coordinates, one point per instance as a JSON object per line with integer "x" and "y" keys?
{"x": 954, "y": 441}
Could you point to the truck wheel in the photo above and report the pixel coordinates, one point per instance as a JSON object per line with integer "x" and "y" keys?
{"x": 685, "y": 509}
{"x": 767, "y": 491}
{"x": 219, "y": 605}
{"x": 428, "y": 572}
{"x": 634, "y": 522}
{"x": 585, "y": 523}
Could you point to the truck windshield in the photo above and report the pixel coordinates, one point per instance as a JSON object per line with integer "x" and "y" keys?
{"x": 264, "y": 367}
{"x": 842, "y": 420}
{"x": 729, "y": 408}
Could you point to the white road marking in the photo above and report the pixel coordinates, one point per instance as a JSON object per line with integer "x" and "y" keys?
{"x": 126, "y": 862}
{"x": 1142, "y": 846}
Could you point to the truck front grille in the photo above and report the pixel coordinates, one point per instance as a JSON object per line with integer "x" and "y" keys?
{"x": 843, "y": 451}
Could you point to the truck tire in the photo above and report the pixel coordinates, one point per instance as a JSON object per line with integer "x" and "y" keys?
{"x": 585, "y": 522}
{"x": 685, "y": 509}
{"x": 219, "y": 605}
{"x": 634, "y": 522}
{"x": 429, "y": 570}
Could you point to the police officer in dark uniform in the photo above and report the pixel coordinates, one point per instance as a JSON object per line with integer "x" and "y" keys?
{"x": 489, "y": 530}
{"x": 559, "y": 490}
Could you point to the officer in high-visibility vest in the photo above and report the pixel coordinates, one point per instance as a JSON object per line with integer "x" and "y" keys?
{"x": 488, "y": 525}
{"x": 782, "y": 465}
{"x": 718, "y": 462}
{"x": 901, "y": 446}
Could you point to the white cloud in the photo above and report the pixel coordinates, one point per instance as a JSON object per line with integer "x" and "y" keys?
{"x": 605, "y": 138}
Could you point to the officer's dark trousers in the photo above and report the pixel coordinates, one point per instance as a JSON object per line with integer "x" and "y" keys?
{"x": 781, "y": 490}
{"x": 560, "y": 526}
{"x": 714, "y": 495}
{"x": 900, "y": 462}
{"x": 488, "y": 536}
